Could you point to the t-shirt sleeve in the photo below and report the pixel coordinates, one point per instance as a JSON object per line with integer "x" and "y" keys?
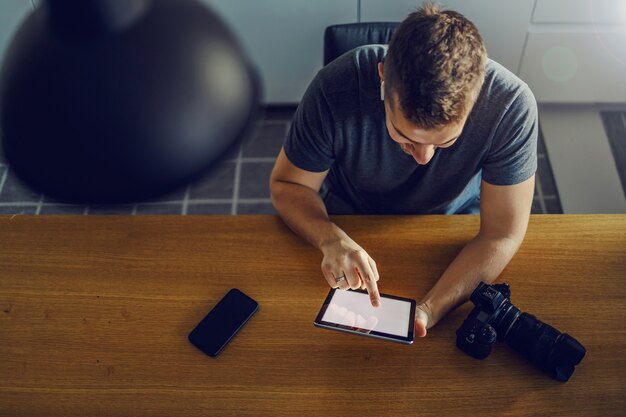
{"x": 512, "y": 158}
{"x": 309, "y": 142}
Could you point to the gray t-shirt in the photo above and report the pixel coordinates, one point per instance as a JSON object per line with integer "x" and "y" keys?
{"x": 340, "y": 125}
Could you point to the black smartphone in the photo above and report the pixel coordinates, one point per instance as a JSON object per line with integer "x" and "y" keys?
{"x": 223, "y": 322}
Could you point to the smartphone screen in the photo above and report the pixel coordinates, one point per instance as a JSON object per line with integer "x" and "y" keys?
{"x": 228, "y": 316}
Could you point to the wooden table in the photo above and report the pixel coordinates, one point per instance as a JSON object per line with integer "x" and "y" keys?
{"x": 96, "y": 311}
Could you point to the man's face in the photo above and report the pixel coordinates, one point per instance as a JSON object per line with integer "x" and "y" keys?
{"x": 418, "y": 142}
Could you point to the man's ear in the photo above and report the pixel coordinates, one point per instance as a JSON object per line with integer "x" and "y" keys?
{"x": 382, "y": 80}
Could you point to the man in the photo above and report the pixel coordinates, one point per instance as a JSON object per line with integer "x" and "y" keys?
{"x": 429, "y": 125}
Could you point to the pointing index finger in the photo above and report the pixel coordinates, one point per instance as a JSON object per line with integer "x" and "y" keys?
{"x": 372, "y": 289}
{"x": 367, "y": 275}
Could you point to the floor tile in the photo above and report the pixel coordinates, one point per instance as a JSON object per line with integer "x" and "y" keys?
{"x": 615, "y": 127}
{"x": 267, "y": 142}
{"x": 203, "y": 208}
{"x": 541, "y": 144}
{"x": 255, "y": 208}
{"x": 25, "y": 209}
{"x": 548, "y": 187}
{"x": 255, "y": 179}
{"x": 175, "y": 208}
{"x": 62, "y": 209}
{"x": 218, "y": 183}
{"x": 553, "y": 206}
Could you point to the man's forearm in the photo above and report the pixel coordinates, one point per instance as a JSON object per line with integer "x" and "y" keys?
{"x": 304, "y": 212}
{"x": 482, "y": 259}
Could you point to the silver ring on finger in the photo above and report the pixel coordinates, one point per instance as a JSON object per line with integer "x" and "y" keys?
{"x": 340, "y": 279}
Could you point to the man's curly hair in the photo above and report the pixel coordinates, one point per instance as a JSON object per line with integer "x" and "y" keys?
{"x": 435, "y": 66}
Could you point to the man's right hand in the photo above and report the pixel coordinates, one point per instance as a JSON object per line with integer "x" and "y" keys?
{"x": 344, "y": 257}
{"x": 295, "y": 195}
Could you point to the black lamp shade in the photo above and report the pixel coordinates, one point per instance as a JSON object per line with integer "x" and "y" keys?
{"x": 121, "y": 100}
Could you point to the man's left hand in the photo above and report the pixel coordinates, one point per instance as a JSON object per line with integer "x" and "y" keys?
{"x": 422, "y": 318}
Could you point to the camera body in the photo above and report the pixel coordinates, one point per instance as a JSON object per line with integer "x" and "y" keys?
{"x": 494, "y": 318}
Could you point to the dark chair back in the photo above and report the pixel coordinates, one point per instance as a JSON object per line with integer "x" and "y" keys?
{"x": 339, "y": 39}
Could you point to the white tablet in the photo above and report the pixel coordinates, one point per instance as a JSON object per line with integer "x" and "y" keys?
{"x": 351, "y": 311}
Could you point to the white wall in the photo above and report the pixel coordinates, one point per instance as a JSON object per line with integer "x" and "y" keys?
{"x": 284, "y": 38}
{"x": 576, "y": 51}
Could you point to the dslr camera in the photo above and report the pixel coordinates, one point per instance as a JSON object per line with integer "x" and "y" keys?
{"x": 495, "y": 318}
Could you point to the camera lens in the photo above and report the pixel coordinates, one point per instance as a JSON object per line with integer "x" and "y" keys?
{"x": 566, "y": 353}
{"x": 547, "y": 348}
{"x": 505, "y": 319}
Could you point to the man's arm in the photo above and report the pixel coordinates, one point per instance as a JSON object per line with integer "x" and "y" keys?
{"x": 294, "y": 193}
{"x": 504, "y": 214}
{"x": 295, "y": 196}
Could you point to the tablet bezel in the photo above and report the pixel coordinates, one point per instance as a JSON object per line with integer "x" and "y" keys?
{"x": 364, "y": 332}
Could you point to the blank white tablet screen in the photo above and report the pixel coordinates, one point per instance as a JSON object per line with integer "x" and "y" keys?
{"x": 354, "y": 309}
